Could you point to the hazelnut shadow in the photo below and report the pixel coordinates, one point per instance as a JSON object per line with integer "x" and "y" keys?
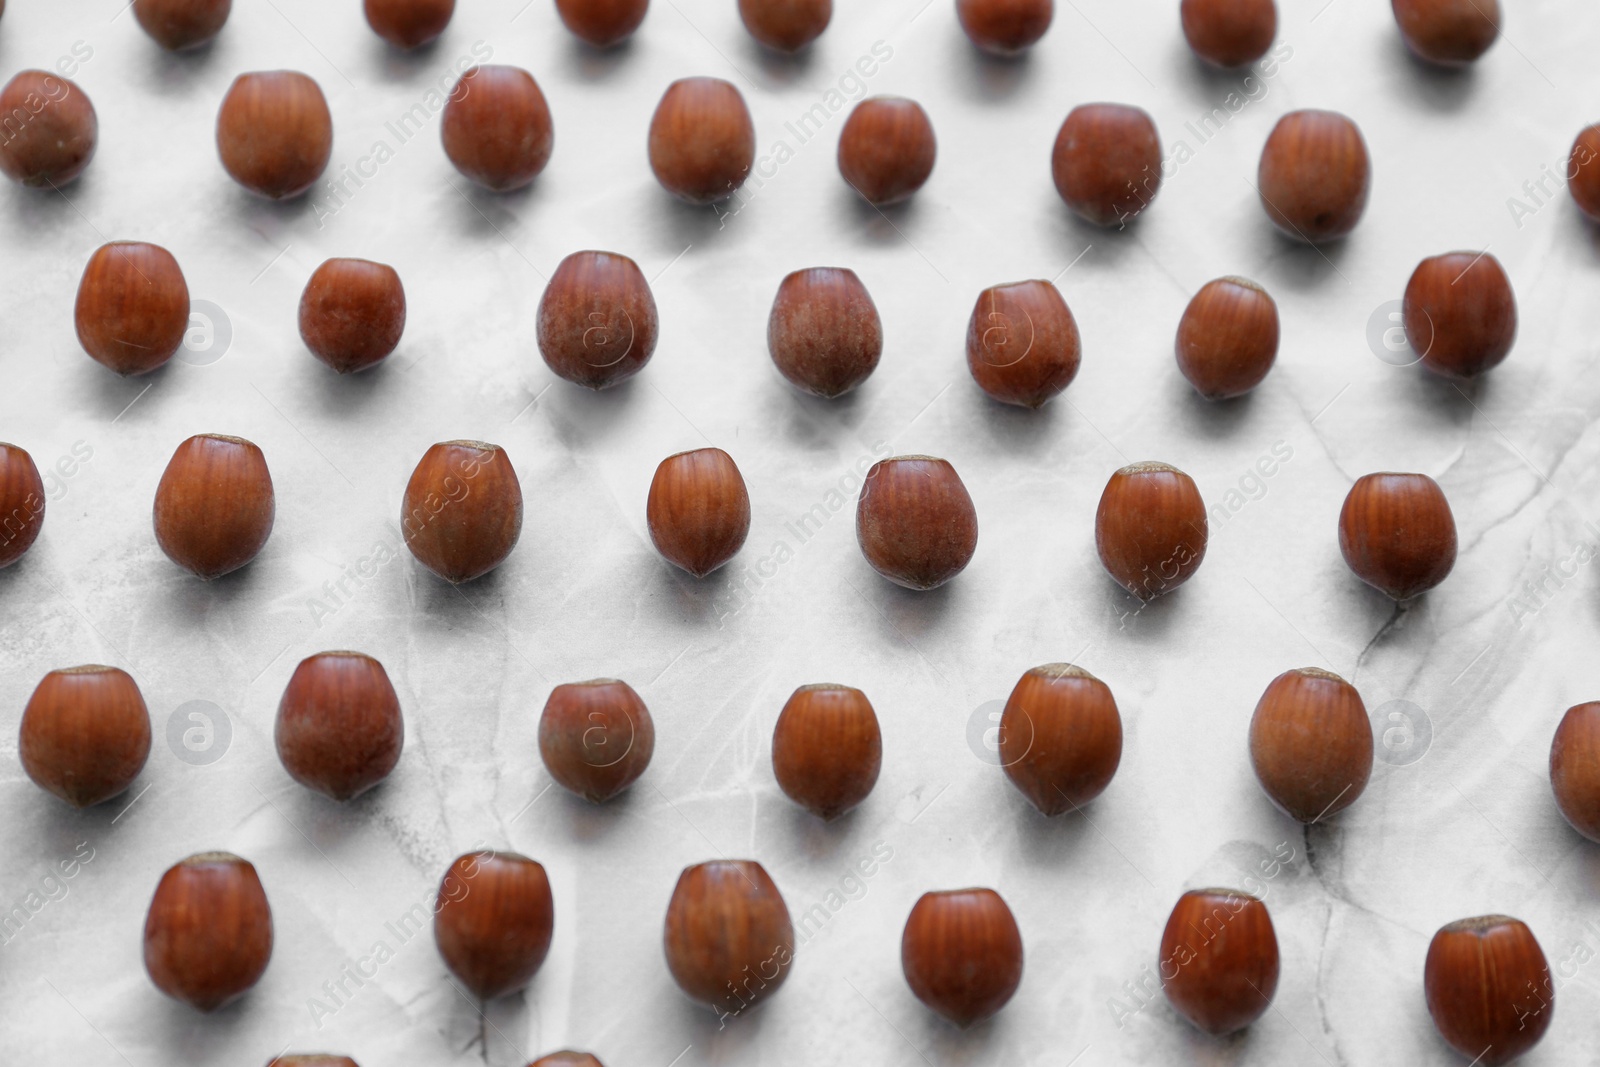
{"x": 580, "y": 416}
{"x": 398, "y": 66}
{"x": 583, "y": 60}
{"x": 485, "y": 213}
{"x": 585, "y": 822}
{"x": 178, "y": 73}
{"x": 1016, "y": 428}
{"x": 886, "y": 224}
{"x": 1298, "y": 265}
{"x": 696, "y": 224}
{"x": 781, "y": 69}
{"x": 1052, "y": 843}
{"x": 112, "y": 393}
{"x": 1214, "y": 419}
{"x": 988, "y": 77}
{"x": 1444, "y": 90}
{"x": 908, "y": 614}
{"x": 813, "y": 422}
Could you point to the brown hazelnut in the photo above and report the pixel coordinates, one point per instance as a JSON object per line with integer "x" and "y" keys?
{"x": 597, "y": 321}
{"x": 698, "y": 511}
{"x": 728, "y": 939}
{"x": 408, "y": 23}
{"x": 208, "y": 936}
{"x": 826, "y": 749}
{"x": 602, "y": 23}
{"x": 133, "y": 307}
{"x": 567, "y": 1059}
{"x": 214, "y": 505}
{"x": 275, "y": 133}
{"x": 496, "y": 127}
{"x": 1060, "y": 737}
{"x": 785, "y": 25}
{"x": 493, "y": 921}
{"x": 85, "y": 734}
{"x": 824, "y": 333}
{"x": 1228, "y": 338}
{"x": 1451, "y": 33}
{"x": 1230, "y": 33}
{"x": 1397, "y": 533}
{"x": 180, "y": 24}
{"x": 1219, "y": 959}
{"x": 1460, "y": 313}
{"x": 313, "y": 1059}
{"x": 1005, "y": 27}
{"x": 915, "y": 522}
{"x": 596, "y": 738}
{"x": 339, "y": 728}
{"x": 702, "y": 141}
{"x": 961, "y": 953}
{"x": 1575, "y": 768}
{"x": 22, "y": 503}
{"x": 1314, "y": 176}
{"x": 1107, "y": 162}
{"x": 1311, "y": 744}
{"x": 1583, "y": 171}
{"x": 887, "y": 149}
{"x": 1151, "y": 528}
{"x": 1488, "y": 988}
{"x": 352, "y": 313}
{"x": 50, "y": 130}
{"x": 463, "y": 509}
{"x": 1022, "y": 343}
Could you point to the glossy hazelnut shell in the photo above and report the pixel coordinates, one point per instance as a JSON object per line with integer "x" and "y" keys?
{"x": 408, "y": 23}
{"x": 827, "y": 749}
{"x": 698, "y": 510}
{"x": 1397, "y": 533}
{"x": 1229, "y": 33}
{"x": 602, "y": 23}
{"x": 597, "y": 322}
{"x": 1460, "y": 313}
{"x": 915, "y": 522}
{"x": 596, "y": 738}
{"x": 1575, "y": 768}
{"x": 1151, "y": 529}
{"x": 567, "y": 1059}
{"x": 785, "y": 25}
{"x": 1583, "y": 171}
{"x": 1228, "y": 338}
{"x": 728, "y": 939}
{"x": 352, "y": 313}
{"x": 1060, "y": 737}
{"x": 493, "y": 921}
{"x": 275, "y": 133}
{"x": 824, "y": 333}
{"x": 313, "y": 1059}
{"x": 1314, "y": 176}
{"x": 22, "y": 503}
{"x": 497, "y": 128}
{"x": 85, "y": 734}
{"x": 1219, "y": 959}
{"x": 1311, "y": 744}
{"x": 1488, "y": 988}
{"x": 133, "y": 307}
{"x": 58, "y": 139}
{"x": 180, "y": 24}
{"x": 1022, "y": 343}
{"x": 339, "y": 729}
{"x": 214, "y": 505}
{"x": 962, "y": 953}
{"x": 1004, "y": 27}
{"x": 702, "y": 142}
{"x": 208, "y": 935}
{"x": 1107, "y": 162}
{"x": 463, "y": 509}
{"x": 1449, "y": 33}
{"x": 887, "y": 149}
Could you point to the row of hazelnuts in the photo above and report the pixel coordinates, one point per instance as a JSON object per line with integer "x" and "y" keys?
{"x": 728, "y": 937}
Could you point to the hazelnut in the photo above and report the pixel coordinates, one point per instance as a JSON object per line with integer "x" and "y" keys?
{"x": 1314, "y": 176}
{"x": 408, "y": 23}
{"x": 1575, "y": 768}
{"x": 786, "y": 25}
{"x": 339, "y": 728}
{"x": 50, "y": 132}
{"x": 1583, "y": 171}
{"x": 826, "y": 749}
{"x": 728, "y": 939}
{"x": 1219, "y": 959}
{"x": 496, "y": 127}
{"x": 1107, "y": 162}
{"x": 702, "y": 141}
{"x": 1397, "y": 533}
{"x": 214, "y": 505}
{"x": 962, "y": 953}
{"x": 1230, "y": 33}
{"x": 133, "y": 307}
{"x": 180, "y": 24}
{"x": 1451, "y": 33}
{"x": 1311, "y": 744}
{"x": 1060, "y": 737}
{"x": 315, "y": 1059}
{"x": 21, "y": 503}
{"x": 1022, "y": 343}
{"x": 1488, "y": 988}
{"x": 596, "y": 738}
{"x": 597, "y": 320}
{"x": 824, "y": 333}
{"x": 1005, "y": 27}
{"x": 208, "y": 936}
{"x": 352, "y": 313}
{"x": 602, "y": 23}
{"x": 698, "y": 511}
{"x": 887, "y": 149}
{"x": 567, "y": 1059}
{"x": 1150, "y": 528}
{"x": 915, "y": 522}
{"x": 85, "y": 734}
{"x": 274, "y": 133}
{"x": 1460, "y": 313}
{"x": 463, "y": 509}
{"x": 493, "y": 921}
{"x": 1228, "y": 338}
